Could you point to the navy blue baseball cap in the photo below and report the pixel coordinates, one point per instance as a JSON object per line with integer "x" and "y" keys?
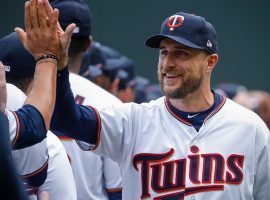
{"x": 126, "y": 73}
{"x": 95, "y": 58}
{"x": 113, "y": 65}
{"x": 140, "y": 89}
{"x": 74, "y": 11}
{"x": 17, "y": 60}
{"x": 189, "y": 30}
{"x": 153, "y": 92}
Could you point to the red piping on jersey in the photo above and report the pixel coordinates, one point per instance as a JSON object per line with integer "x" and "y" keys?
{"x": 65, "y": 138}
{"x": 175, "y": 115}
{"x": 114, "y": 190}
{"x": 217, "y": 109}
{"x": 39, "y": 170}
{"x": 32, "y": 191}
{"x": 98, "y": 128}
{"x": 186, "y": 122}
{"x": 18, "y": 128}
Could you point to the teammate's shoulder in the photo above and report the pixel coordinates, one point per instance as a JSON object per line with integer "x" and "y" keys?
{"x": 238, "y": 109}
{"x": 15, "y": 97}
{"x": 54, "y": 145}
{"x": 154, "y": 103}
{"x": 93, "y": 94}
{"x": 242, "y": 114}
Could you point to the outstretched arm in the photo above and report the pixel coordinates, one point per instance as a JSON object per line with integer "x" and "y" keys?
{"x": 74, "y": 120}
{"x": 40, "y": 38}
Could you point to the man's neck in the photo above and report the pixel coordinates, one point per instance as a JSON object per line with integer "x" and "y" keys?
{"x": 195, "y": 102}
{"x": 75, "y": 64}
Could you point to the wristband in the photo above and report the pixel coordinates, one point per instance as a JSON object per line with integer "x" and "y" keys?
{"x": 46, "y": 56}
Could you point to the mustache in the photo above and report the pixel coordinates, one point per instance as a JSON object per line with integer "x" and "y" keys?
{"x": 172, "y": 72}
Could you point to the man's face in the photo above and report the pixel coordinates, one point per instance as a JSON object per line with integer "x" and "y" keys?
{"x": 180, "y": 69}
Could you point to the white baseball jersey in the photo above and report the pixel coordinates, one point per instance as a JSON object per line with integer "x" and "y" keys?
{"x": 31, "y": 162}
{"x": 49, "y": 153}
{"x": 94, "y": 175}
{"x": 163, "y": 157}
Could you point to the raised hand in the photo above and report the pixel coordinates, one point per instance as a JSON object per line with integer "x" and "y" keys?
{"x": 64, "y": 36}
{"x": 43, "y": 34}
{"x": 40, "y": 35}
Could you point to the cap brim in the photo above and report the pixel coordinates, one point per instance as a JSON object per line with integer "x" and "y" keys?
{"x": 154, "y": 41}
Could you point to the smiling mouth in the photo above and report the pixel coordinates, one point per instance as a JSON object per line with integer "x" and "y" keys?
{"x": 172, "y": 76}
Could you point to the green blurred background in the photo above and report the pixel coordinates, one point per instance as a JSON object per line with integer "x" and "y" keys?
{"x": 243, "y": 28}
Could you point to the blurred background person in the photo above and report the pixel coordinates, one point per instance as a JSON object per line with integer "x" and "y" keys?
{"x": 229, "y": 90}
{"x": 110, "y": 70}
{"x": 257, "y": 101}
{"x": 140, "y": 89}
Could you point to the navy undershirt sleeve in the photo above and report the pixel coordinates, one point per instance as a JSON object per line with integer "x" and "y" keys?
{"x": 32, "y": 129}
{"x": 73, "y": 120}
{"x": 115, "y": 195}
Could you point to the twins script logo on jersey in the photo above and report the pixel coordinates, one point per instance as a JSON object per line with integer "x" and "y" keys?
{"x": 170, "y": 176}
{"x": 175, "y": 21}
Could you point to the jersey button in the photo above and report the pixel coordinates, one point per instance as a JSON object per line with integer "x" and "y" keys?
{"x": 195, "y": 142}
{"x": 192, "y": 197}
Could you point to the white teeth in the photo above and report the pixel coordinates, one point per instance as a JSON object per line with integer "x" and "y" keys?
{"x": 171, "y": 76}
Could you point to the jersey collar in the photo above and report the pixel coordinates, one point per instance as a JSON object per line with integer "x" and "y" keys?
{"x": 198, "y": 118}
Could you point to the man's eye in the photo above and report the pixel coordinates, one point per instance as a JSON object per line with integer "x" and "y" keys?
{"x": 163, "y": 53}
{"x": 181, "y": 53}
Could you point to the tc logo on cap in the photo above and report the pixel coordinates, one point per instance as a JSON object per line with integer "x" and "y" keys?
{"x": 175, "y": 21}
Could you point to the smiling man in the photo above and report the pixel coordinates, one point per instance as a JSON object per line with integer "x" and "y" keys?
{"x": 192, "y": 142}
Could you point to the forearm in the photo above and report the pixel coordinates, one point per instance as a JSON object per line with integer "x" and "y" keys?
{"x": 73, "y": 120}
{"x": 42, "y": 94}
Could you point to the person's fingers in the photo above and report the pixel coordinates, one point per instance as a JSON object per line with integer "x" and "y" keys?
{"x": 27, "y": 20}
{"x": 21, "y": 34}
{"x": 66, "y": 37}
{"x": 59, "y": 28}
{"x": 49, "y": 11}
{"x": 48, "y": 8}
{"x": 69, "y": 30}
{"x": 33, "y": 13}
{"x": 54, "y": 20}
{"x": 3, "y": 88}
{"x": 42, "y": 16}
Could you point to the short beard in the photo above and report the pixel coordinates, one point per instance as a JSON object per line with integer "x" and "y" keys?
{"x": 188, "y": 86}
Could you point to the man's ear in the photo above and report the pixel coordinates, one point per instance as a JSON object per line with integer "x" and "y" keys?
{"x": 114, "y": 87}
{"x": 211, "y": 62}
